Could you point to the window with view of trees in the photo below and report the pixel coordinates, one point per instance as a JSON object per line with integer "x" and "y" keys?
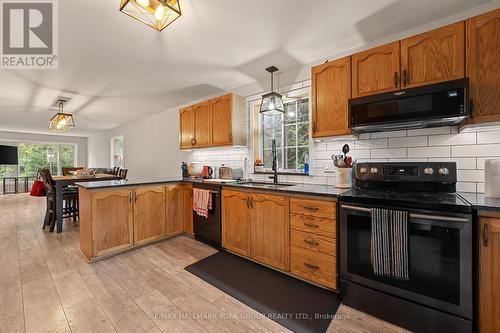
{"x": 33, "y": 156}
{"x": 291, "y": 131}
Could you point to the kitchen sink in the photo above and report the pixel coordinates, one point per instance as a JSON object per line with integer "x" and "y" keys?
{"x": 266, "y": 185}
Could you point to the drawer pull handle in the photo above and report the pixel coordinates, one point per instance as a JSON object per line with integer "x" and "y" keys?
{"x": 312, "y": 209}
{"x": 311, "y": 266}
{"x": 311, "y": 242}
{"x": 311, "y": 225}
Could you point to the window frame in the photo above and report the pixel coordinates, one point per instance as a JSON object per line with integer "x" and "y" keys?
{"x": 112, "y": 150}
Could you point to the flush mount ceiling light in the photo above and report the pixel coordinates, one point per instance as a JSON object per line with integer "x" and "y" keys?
{"x": 157, "y": 14}
{"x": 61, "y": 121}
{"x": 272, "y": 103}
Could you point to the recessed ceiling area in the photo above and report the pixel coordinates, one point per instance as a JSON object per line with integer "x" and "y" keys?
{"x": 117, "y": 70}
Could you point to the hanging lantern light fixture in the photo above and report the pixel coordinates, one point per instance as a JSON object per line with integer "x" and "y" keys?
{"x": 61, "y": 121}
{"x": 272, "y": 103}
{"x": 157, "y": 14}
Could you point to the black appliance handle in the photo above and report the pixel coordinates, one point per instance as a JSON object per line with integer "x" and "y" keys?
{"x": 415, "y": 215}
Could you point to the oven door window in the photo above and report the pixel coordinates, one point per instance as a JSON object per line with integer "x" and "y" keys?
{"x": 434, "y": 253}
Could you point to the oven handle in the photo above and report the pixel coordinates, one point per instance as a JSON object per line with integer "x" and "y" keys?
{"x": 414, "y": 215}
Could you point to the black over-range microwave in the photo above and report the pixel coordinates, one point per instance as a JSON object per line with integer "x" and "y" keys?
{"x": 439, "y": 104}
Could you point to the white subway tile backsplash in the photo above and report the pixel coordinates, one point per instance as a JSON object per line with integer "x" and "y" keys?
{"x": 470, "y": 175}
{"x": 429, "y": 152}
{"x": 466, "y": 187}
{"x": 476, "y": 151}
{"x": 390, "y": 134}
{"x": 409, "y": 141}
{"x": 480, "y": 188}
{"x": 368, "y": 144}
{"x": 462, "y": 162}
{"x": 389, "y": 153}
{"x": 480, "y": 161}
{"x": 452, "y": 139}
{"x": 488, "y": 137}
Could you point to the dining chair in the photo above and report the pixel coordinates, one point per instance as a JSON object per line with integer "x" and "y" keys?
{"x": 67, "y": 171}
{"x": 123, "y": 173}
{"x": 116, "y": 171}
{"x": 70, "y": 197}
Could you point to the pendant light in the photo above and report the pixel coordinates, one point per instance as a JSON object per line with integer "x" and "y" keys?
{"x": 157, "y": 14}
{"x": 61, "y": 121}
{"x": 272, "y": 103}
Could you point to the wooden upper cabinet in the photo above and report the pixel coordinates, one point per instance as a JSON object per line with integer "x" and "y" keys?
{"x": 270, "y": 230}
{"x": 483, "y": 65}
{"x": 221, "y": 123}
{"x": 489, "y": 275}
{"x": 174, "y": 209}
{"x": 331, "y": 90}
{"x": 434, "y": 56}
{"x": 186, "y": 131}
{"x": 149, "y": 214}
{"x": 216, "y": 122}
{"x": 201, "y": 124}
{"x": 236, "y": 217}
{"x": 112, "y": 222}
{"x": 376, "y": 70}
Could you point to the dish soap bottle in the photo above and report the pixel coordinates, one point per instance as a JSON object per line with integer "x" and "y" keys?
{"x": 306, "y": 164}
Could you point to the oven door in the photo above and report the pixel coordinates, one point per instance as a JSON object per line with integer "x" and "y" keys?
{"x": 440, "y": 258}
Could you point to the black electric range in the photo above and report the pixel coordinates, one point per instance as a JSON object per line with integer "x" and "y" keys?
{"x": 437, "y": 293}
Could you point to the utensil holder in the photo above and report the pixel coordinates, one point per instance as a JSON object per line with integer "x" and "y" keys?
{"x": 344, "y": 178}
{"x": 492, "y": 178}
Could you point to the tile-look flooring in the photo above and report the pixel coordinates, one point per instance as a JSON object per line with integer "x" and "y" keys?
{"x": 47, "y": 286}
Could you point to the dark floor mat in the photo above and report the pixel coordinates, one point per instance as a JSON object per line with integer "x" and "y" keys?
{"x": 297, "y": 305}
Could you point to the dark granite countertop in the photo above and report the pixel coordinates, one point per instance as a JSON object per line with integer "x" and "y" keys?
{"x": 480, "y": 202}
{"x": 128, "y": 182}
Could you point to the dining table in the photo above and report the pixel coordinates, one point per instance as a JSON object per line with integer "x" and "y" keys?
{"x": 63, "y": 181}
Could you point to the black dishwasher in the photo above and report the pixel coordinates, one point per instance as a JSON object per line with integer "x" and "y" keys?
{"x": 208, "y": 230}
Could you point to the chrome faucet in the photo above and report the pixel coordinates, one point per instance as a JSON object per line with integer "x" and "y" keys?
{"x": 274, "y": 177}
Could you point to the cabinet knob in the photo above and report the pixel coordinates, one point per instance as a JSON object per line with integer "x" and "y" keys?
{"x": 311, "y": 225}
{"x": 311, "y": 266}
{"x": 311, "y": 242}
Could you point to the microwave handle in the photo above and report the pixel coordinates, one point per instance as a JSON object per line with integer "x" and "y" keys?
{"x": 414, "y": 215}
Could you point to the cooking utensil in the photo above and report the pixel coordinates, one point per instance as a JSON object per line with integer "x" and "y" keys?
{"x": 345, "y": 149}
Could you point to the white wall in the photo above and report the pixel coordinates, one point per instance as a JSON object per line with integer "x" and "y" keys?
{"x": 81, "y": 142}
{"x": 99, "y": 147}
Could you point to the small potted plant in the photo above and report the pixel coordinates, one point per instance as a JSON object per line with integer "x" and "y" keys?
{"x": 259, "y": 165}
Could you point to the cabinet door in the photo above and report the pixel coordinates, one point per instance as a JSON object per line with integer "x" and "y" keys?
{"x": 149, "y": 214}
{"x": 376, "y": 70}
{"x": 489, "y": 275}
{"x": 270, "y": 230}
{"x": 220, "y": 118}
{"x": 187, "y": 210}
{"x": 236, "y": 217}
{"x": 331, "y": 90}
{"x": 434, "y": 56}
{"x": 186, "y": 135}
{"x": 201, "y": 124}
{"x": 174, "y": 209}
{"x": 112, "y": 221}
{"x": 483, "y": 63}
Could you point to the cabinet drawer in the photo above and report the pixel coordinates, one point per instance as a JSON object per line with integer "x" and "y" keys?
{"x": 316, "y": 267}
{"x": 316, "y": 225}
{"x": 318, "y": 208}
{"x": 314, "y": 242}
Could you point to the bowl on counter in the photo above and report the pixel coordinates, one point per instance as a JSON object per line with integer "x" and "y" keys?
{"x": 194, "y": 169}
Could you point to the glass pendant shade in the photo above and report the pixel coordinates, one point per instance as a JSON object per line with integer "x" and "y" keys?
{"x": 61, "y": 121}
{"x": 272, "y": 103}
{"x": 157, "y": 14}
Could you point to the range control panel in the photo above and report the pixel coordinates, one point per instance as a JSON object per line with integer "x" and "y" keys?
{"x": 439, "y": 172}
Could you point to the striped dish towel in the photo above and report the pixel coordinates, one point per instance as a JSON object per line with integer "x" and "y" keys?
{"x": 202, "y": 201}
{"x": 389, "y": 243}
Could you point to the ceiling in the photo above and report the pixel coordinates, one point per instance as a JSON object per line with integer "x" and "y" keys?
{"x": 117, "y": 70}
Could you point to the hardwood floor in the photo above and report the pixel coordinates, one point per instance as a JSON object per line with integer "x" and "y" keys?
{"x": 47, "y": 286}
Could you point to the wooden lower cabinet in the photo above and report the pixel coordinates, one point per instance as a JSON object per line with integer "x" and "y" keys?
{"x": 489, "y": 273}
{"x": 174, "y": 207}
{"x": 270, "y": 230}
{"x": 149, "y": 214}
{"x": 236, "y": 221}
{"x": 112, "y": 221}
{"x": 314, "y": 266}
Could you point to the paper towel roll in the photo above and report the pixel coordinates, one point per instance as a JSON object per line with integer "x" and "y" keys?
{"x": 492, "y": 178}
